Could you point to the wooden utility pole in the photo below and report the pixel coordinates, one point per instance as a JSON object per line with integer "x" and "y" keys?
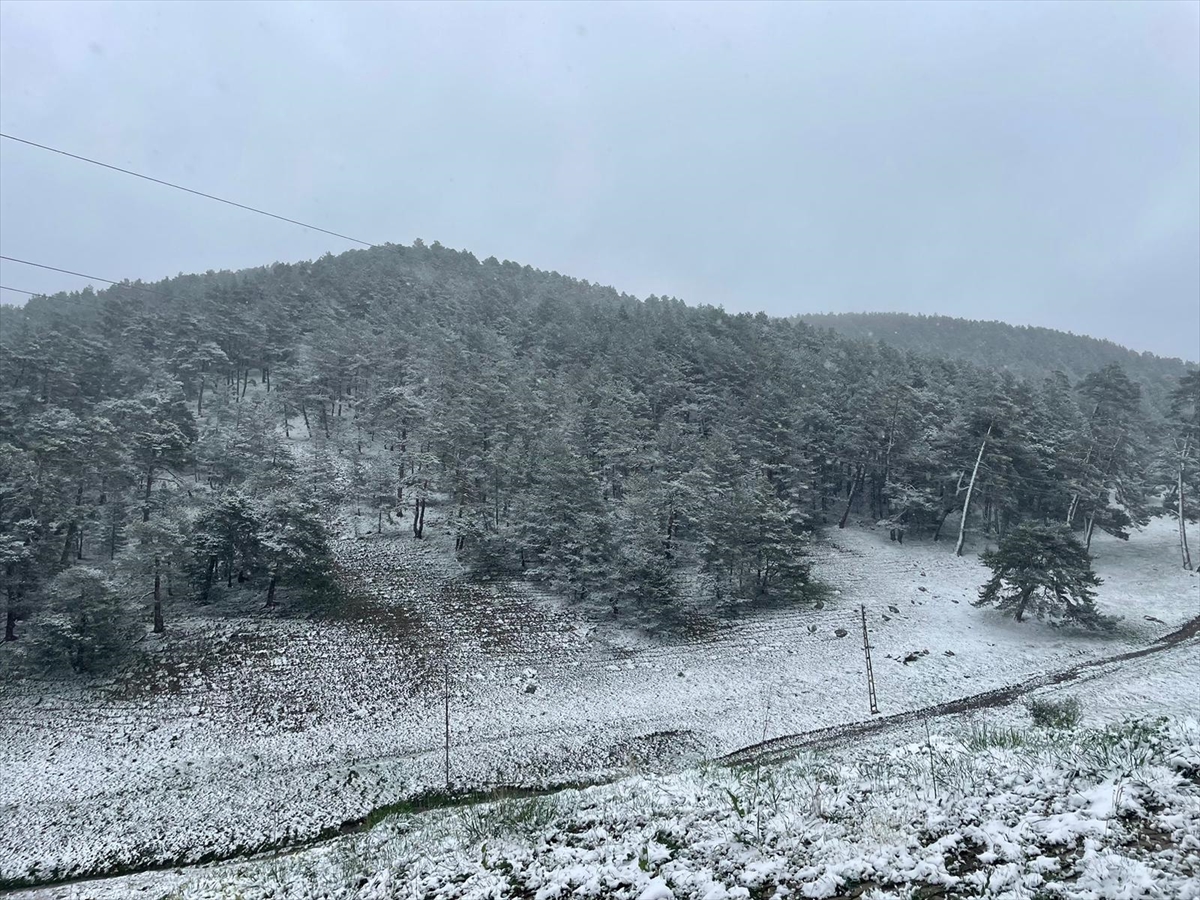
{"x": 447, "y": 704}
{"x": 870, "y": 672}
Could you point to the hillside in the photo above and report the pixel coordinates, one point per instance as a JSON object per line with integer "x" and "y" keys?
{"x": 1026, "y": 351}
{"x": 244, "y": 733}
{"x": 191, "y": 439}
{"x": 289, "y": 548}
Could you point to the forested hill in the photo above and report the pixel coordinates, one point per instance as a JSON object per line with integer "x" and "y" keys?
{"x": 197, "y": 437}
{"x": 1028, "y": 351}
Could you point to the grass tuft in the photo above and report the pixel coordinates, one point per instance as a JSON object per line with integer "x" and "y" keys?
{"x": 1061, "y": 714}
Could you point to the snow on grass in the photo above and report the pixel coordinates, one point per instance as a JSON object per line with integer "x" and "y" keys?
{"x": 970, "y": 809}
{"x": 254, "y": 733}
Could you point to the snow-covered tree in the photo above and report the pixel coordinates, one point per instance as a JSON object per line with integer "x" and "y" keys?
{"x": 1043, "y": 569}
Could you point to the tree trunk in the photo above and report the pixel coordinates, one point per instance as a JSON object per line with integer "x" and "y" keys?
{"x": 962, "y": 527}
{"x": 1021, "y": 606}
{"x": 307, "y": 427}
{"x": 850, "y": 500}
{"x": 158, "y": 616}
{"x": 10, "y": 616}
{"x": 1090, "y": 522}
{"x": 146, "y": 501}
{"x": 208, "y": 578}
{"x": 271, "y": 589}
{"x": 419, "y": 517}
{"x": 65, "y": 556}
{"x": 937, "y": 534}
{"x": 200, "y": 399}
{"x": 1183, "y": 529}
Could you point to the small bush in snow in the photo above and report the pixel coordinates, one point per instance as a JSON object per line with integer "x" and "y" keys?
{"x": 1055, "y": 713}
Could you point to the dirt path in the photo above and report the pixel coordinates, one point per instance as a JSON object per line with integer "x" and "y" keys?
{"x": 837, "y": 734}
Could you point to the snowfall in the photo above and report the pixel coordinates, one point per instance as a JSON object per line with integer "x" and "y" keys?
{"x": 258, "y": 756}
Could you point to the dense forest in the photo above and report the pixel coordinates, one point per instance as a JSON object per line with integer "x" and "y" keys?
{"x": 194, "y": 437}
{"x": 1026, "y": 351}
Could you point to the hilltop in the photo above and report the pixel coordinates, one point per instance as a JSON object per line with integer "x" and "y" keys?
{"x": 1025, "y": 350}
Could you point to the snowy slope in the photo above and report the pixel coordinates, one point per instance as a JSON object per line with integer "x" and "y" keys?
{"x": 981, "y": 805}
{"x": 266, "y": 733}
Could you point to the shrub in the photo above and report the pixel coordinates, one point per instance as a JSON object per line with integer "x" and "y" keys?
{"x": 1055, "y": 713}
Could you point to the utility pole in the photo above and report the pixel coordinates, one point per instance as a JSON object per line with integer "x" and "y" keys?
{"x": 446, "y": 669}
{"x": 870, "y": 672}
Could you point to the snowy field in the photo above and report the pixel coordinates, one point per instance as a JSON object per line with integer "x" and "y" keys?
{"x": 252, "y": 734}
{"x": 982, "y": 805}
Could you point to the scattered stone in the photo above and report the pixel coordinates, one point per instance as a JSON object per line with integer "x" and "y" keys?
{"x": 840, "y": 632}
{"x": 530, "y": 688}
{"x": 887, "y": 618}
{"x": 922, "y": 588}
{"x": 894, "y": 609}
{"x": 914, "y": 655}
{"x": 949, "y": 652}
{"x": 1152, "y": 619}
{"x": 820, "y": 604}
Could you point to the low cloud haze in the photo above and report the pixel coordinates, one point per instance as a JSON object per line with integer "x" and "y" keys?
{"x": 1037, "y": 163}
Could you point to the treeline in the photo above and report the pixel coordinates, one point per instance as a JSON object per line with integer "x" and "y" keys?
{"x": 1027, "y": 351}
{"x": 183, "y": 438}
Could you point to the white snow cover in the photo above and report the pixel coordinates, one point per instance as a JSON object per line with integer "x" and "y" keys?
{"x": 974, "y": 809}
{"x": 253, "y": 734}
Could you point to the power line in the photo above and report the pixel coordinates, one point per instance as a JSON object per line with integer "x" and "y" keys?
{"x": 5, "y": 287}
{"x": 187, "y": 190}
{"x": 124, "y": 284}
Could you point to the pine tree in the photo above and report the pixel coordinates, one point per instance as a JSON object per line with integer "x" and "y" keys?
{"x": 86, "y": 622}
{"x": 1043, "y": 569}
{"x": 1182, "y": 458}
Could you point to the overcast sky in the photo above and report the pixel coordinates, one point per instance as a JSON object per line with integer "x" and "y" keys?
{"x": 1037, "y": 163}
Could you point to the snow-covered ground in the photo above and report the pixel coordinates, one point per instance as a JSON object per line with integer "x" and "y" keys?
{"x": 981, "y": 805}
{"x": 256, "y": 733}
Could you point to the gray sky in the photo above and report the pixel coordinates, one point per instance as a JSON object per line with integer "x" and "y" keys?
{"x": 1037, "y": 163}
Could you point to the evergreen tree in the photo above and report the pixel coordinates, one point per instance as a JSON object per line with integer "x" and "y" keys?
{"x": 1180, "y": 459}
{"x": 1042, "y": 569}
